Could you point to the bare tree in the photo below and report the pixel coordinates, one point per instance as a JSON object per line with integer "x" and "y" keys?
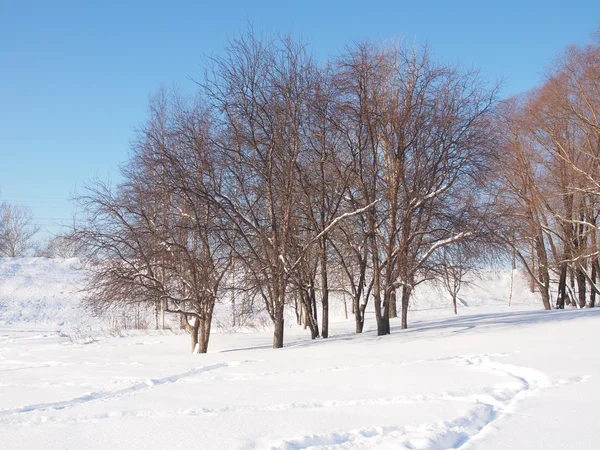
{"x": 17, "y": 230}
{"x": 262, "y": 89}
{"x": 60, "y": 246}
{"x": 455, "y": 262}
{"x": 157, "y": 237}
{"x": 519, "y": 217}
{"x": 420, "y": 133}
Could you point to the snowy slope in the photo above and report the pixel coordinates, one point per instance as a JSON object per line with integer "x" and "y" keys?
{"x": 45, "y": 291}
{"x": 40, "y": 291}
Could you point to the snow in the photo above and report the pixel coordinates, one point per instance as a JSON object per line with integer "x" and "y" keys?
{"x": 493, "y": 377}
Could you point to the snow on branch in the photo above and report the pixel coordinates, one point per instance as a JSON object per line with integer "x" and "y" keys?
{"x": 327, "y": 229}
{"x": 443, "y": 243}
{"x": 414, "y": 204}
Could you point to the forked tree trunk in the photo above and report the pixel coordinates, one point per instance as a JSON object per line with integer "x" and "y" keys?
{"x": 309, "y": 318}
{"x": 562, "y": 295}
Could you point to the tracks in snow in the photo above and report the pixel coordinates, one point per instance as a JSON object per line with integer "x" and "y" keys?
{"x": 108, "y": 395}
{"x": 460, "y": 432}
{"x": 483, "y": 408}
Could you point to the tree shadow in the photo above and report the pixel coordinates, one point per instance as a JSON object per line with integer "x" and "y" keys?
{"x": 440, "y": 327}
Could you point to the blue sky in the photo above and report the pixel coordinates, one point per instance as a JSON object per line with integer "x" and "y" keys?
{"x": 75, "y": 77}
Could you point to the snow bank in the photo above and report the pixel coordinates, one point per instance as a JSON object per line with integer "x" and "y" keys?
{"x": 45, "y": 291}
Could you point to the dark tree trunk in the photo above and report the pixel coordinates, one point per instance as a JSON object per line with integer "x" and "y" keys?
{"x": 359, "y": 317}
{"x": 278, "y": 327}
{"x": 325, "y": 291}
{"x": 581, "y": 287}
{"x": 454, "y": 303}
{"x": 380, "y": 317}
{"x": 562, "y": 288}
{"x": 405, "y": 300}
{"x": 386, "y": 313}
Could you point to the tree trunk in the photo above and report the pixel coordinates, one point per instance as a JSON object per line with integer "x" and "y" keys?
{"x": 581, "y": 287}
{"x": 314, "y": 323}
{"x": 194, "y": 334}
{"x": 309, "y": 318}
{"x": 393, "y": 308}
{"x": 545, "y": 297}
{"x": 405, "y": 299}
{"x": 543, "y": 271}
{"x": 305, "y": 317}
{"x": 531, "y": 278}
{"x": 386, "y": 313}
{"x": 278, "y": 327}
{"x": 570, "y": 300}
{"x": 204, "y": 334}
{"x": 592, "y": 289}
{"x": 358, "y": 316}
{"x": 454, "y": 303}
{"x": 379, "y": 316}
{"x": 324, "y": 292}
{"x": 156, "y": 308}
{"x": 562, "y": 288}
{"x": 298, "y": 310}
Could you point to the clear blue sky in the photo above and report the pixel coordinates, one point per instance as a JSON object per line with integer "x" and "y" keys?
{"x": 75, "y": 76}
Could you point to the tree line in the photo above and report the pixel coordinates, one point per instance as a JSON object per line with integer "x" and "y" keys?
{"x": 283, "y": 181}
{"x": 548, "y": 178}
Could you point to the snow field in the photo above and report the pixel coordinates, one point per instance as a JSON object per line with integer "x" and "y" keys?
{"x": 493, "y": 377}
{"x": 444, "y": 383}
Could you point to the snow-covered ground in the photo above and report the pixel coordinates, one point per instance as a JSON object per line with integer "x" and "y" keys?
{"x": 493, "y": 377}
